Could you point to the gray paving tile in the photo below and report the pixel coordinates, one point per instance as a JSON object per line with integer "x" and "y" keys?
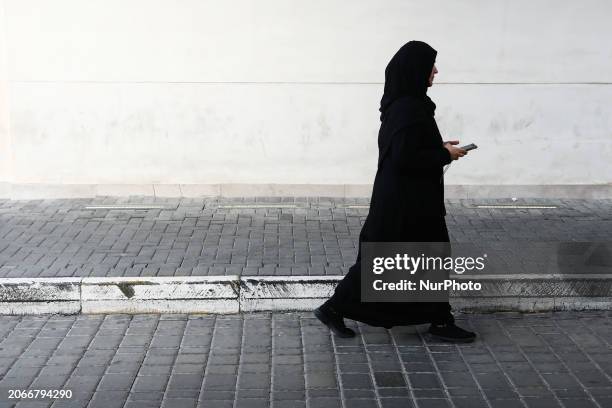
{"x": 384, "y": 368}
{"x": 45, "y": 238}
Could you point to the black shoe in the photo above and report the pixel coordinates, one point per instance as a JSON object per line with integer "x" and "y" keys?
{"x": 451, "y": 332}
{"x": 334, "y": 321}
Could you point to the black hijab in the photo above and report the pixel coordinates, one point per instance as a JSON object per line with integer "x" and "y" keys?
{"x": 407, "y": 74}
{"x": 405, "y": 99}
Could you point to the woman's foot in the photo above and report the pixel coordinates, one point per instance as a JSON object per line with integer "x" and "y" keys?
{"x": 451, "y": 332}
{"x": 332, "y": 319}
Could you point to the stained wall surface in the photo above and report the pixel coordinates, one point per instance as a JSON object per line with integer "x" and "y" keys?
{"x": 274, "y": 91}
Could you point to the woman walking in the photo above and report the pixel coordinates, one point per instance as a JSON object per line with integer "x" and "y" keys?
{"x": 407, "y": 203}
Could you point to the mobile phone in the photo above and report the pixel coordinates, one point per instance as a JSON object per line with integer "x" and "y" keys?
{"x": 469, "y": 147}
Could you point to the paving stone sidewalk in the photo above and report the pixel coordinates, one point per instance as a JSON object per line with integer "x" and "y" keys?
{"x": 247, "y": 236}
{"x": 561, "y": 359}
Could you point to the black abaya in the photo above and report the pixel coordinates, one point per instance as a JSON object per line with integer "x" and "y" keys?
{"x": 407, "y": 203}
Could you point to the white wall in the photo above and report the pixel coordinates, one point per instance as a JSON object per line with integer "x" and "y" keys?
{"x": 286, "y": 91}
{"x": 5, "y": 142}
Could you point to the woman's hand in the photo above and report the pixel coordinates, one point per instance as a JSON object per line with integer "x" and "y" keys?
{"x": 455, "y": 152}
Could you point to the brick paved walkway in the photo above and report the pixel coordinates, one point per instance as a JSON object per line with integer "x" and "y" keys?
{"x": 289, "y": 360}
{"x": 262, "y": 236}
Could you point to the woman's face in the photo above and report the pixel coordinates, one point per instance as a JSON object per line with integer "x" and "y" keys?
{"x": 434, "y": 71}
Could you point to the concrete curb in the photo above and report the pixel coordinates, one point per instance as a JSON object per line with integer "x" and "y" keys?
{"x": 210, "y": 294}
{"x": 233, "y": 294}
{"x": 40, "y": 296}
{"x": 263, "y": 293}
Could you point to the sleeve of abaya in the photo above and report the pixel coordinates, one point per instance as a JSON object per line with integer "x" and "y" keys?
{"x": 408, "y": 153}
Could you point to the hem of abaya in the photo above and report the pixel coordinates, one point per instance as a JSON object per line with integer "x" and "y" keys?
{"x": 377, "y": 322}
